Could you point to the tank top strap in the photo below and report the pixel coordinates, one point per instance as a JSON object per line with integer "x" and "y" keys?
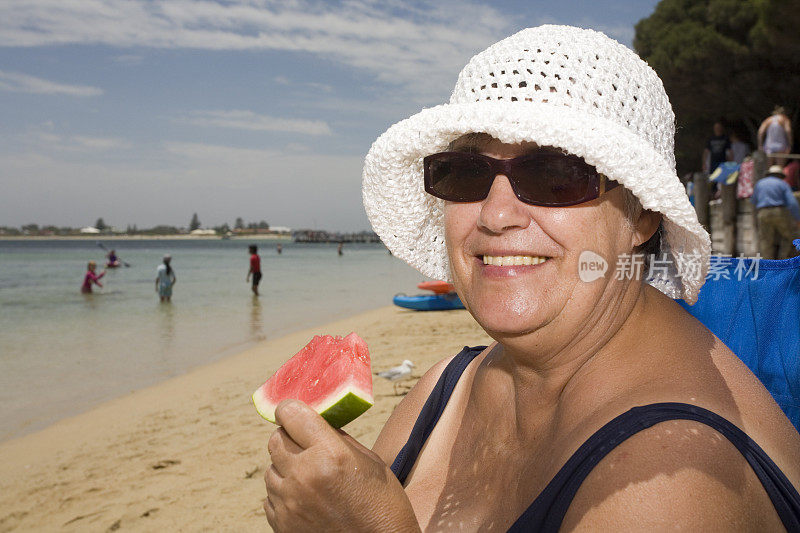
{"x": 547, "y": 512}
{"x": 432, "y": 410}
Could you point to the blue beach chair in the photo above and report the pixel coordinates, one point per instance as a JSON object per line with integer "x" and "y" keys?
{"x": 757, "y": 315}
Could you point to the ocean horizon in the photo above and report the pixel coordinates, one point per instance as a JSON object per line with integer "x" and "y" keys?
{"x": 63, "y": 352}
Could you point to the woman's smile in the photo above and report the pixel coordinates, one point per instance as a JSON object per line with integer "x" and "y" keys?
{"x": 508, "y": 265}
{"x": 513, "y": 260}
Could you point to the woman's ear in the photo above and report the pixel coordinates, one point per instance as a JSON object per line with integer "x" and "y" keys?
{"x": 646, "y": 225}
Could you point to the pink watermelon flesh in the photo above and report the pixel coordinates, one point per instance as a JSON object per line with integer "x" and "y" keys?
{"x": 332, "y": 375}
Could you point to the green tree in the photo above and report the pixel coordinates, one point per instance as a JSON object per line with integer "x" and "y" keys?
{"x": 223, "y": 229}
{"x": 100, "y": 224}
{"x": 735, "y": 59}
{"x": 195, "y": 223}
{"x": 239, "y": 224}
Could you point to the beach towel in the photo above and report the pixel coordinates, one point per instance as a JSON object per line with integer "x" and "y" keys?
{"x": 753, "y": 306}
{"x": 744, "y": 185}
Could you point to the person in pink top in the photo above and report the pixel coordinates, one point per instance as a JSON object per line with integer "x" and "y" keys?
{"x": 91, "y": 278}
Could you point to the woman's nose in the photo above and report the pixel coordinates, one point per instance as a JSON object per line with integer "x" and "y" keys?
{"x": 502, "y": 210}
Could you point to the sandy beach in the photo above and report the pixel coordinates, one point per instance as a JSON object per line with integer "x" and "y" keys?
{"x": 189, "y": 454}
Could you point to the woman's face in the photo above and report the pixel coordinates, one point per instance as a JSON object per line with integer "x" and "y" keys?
{"x": 487, "y": 240}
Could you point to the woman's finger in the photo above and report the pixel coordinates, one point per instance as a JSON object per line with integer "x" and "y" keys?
{"x": 303, "y": 424}
{"x": 282, "y": 450}
{"x": 269, "y": 510}
{"x": 272, "y": 514}
{"x": 274, "y": 481}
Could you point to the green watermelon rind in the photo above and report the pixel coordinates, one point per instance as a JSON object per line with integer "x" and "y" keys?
{"x": 341, "y": 409}
{"x": 350, "y": 407}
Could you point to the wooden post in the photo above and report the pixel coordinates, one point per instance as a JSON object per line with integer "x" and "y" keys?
{"x": 759, "y": 165}
{"x": 760, "y": 168}
{"x": 729, "y": 205}
{"x": 701, "y": 197}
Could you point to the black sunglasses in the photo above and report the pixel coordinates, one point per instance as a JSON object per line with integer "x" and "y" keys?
{"x": 543, "y": 178}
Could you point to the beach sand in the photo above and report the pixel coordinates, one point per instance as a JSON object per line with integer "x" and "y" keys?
{"x": 189, "y": 454}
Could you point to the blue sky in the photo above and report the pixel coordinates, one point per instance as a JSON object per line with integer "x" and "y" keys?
{"x": 145, "y": 111}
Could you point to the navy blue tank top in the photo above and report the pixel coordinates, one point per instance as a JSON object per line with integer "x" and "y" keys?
{"x": 548, "y": 509}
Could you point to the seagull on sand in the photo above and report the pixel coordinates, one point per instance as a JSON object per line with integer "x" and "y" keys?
{"x": 398, "y": 373}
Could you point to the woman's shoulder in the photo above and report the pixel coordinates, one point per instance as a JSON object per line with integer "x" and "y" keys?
{"x": 679, "y": 473}
{"x": 682, "y": 361}
{"x": 712, "y": 376}
{"x": 398, "y": 427}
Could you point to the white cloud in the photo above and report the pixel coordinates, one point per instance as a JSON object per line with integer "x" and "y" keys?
{"x": 296, "y": 148}
{"x": 400, "y": 45}
{"x": 129, "y": 59}
{"x": 23, "y": 83}
{"x": 313, "y": 86}
{"x": 247, "y": 120}
{"x": 98, "y": 143}
{"x": 45, "y": 139}
{"x": 201, "y": 152}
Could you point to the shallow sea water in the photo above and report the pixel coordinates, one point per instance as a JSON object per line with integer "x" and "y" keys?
{"x": 61, "y": 352}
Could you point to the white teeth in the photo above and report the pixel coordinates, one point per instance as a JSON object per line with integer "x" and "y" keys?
{"x": 513, "y": 260}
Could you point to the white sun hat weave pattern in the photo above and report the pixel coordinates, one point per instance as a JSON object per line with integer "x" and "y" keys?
{"x": 559, "y": 86}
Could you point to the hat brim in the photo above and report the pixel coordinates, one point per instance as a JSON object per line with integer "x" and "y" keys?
{"x": 410, "y": 222}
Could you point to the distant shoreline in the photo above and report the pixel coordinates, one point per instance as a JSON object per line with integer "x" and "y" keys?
{"x": 175, "y": 237}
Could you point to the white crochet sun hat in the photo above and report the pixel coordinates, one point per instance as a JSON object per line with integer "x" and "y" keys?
{"x": 559, "y": 86}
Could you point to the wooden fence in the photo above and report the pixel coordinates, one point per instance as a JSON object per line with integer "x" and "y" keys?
{"x": 730, "y": 221}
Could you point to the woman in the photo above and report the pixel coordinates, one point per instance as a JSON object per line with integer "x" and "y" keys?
{"x": 165, "y": 279}
{"x": 602, "y": 405}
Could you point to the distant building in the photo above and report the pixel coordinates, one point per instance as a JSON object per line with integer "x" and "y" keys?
{"x": 90, "y": 230}
{"x": 199, "y": 231}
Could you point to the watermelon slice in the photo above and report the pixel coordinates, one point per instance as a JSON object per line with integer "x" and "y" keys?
{"x": 331, "y": 375}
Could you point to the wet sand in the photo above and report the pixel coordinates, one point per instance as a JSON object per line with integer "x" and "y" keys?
{"x": 189, "y": 454}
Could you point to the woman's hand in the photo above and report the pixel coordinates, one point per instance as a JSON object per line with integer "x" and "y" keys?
{"x": 321, "y": 479}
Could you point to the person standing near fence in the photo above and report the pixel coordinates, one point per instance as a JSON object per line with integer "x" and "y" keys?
{"x": 775, "y": 136}
{"x": 739, "y": 148}
{"x": 718, "y": 149}
{"x": 778, "y": 215}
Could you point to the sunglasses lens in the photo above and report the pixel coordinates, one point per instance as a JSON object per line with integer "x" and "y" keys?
{"x": 458, "y": 177}
{"x": 551, "y": 179}
{"x": 545, "y": 179}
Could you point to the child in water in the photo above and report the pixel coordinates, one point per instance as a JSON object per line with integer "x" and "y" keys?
{"x": 165, "y": 279}
{"x": 91, "y": 278}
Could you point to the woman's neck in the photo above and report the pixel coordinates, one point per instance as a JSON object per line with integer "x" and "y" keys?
{"x": 547, "y": 362}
